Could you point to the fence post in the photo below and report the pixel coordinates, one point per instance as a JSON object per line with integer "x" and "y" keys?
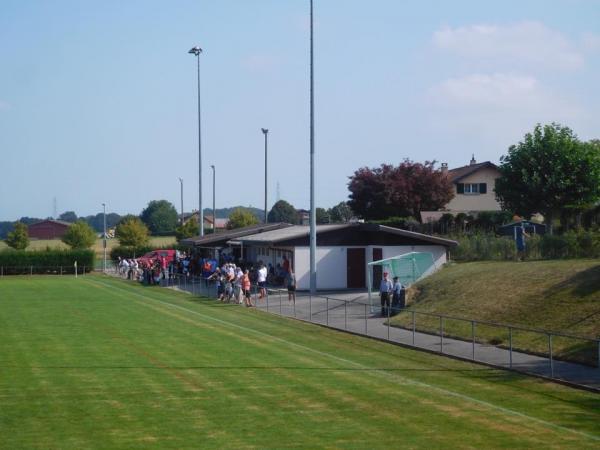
{"x": 310, "y": 307}
{"x": 2, "y": 275}
{"x": 327, "y": 311}
{"x": 510, "y": 345}
{"x": 366, "y": 326}
{"x": 61, "y": 270}
{"x": 280, "y": 303}
{"x": 551, "y": 358}
{"x": 30, "y": 270}
{"x": 346, "y": 324}
{"x": 267, "y": 295}
{"x": 473, "y": 338}
{"x": 413, "y": 327}
{"x": 441, "y": 334}
{"x": 388, "y": 322}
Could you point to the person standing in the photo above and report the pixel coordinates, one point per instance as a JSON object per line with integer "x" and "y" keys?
{"x": 520, "y": 235}
{"x": 385, "y": 289}
{"x": 246, "y": 288}
{"x": 398, "y": 296}
{"x": 290, "y": 281}
{"x": 262, "y": 281}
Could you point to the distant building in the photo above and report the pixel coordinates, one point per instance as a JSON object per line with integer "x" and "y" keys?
{"x": 473, "y": 190}
{"x": 48, "y": 229}
{"x": 221, "y": 224}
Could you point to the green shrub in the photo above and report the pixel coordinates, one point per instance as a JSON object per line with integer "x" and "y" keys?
{"x": 489, "y": 247}
{"x": 13, "y": 261}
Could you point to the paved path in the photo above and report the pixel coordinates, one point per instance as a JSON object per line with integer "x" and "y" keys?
{"x": 350, "y": 311}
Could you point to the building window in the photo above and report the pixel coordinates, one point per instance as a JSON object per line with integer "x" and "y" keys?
{"x": 471, "y": 188}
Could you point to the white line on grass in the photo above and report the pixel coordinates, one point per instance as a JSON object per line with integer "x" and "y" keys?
{"x": 386, "y": 373}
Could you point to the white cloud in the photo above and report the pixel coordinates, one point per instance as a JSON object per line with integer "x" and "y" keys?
{"x": 494, "y": 106}
{"x": 528, "y": 44}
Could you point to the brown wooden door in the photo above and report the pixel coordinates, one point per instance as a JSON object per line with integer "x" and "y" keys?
{"x": 356, "y": 268}
{"x": 377, "y": 270}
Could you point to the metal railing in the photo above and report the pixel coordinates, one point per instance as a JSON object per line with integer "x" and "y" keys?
{"x": 555, "y": 355}
{"x": 43, "y": 270}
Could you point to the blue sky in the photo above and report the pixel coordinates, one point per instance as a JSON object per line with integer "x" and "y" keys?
{"x": 98, "y": 99}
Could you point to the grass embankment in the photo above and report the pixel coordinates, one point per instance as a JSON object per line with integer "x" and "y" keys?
{"x": 561, "y": 296}
{"x": 42, "y": 244}
{"x": 98, "y": 363}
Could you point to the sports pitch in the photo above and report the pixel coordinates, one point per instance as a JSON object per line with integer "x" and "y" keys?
{"x": 100, "y": 363}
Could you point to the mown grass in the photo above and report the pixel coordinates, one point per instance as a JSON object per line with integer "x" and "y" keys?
{"x": 98, "y": 363}
{"x": 560, "y": 295}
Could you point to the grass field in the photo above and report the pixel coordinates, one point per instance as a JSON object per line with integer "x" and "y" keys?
{"x": 96, "y": 362}
{"x": 560, "y": 295}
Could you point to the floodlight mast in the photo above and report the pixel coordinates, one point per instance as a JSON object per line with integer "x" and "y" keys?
{"x": 196, "y": 52}
{"x": 313, "y": 219}
{"x": 266, "y": 133}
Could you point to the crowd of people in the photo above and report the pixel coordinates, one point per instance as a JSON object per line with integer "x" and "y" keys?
{"x": 233, "y": 281}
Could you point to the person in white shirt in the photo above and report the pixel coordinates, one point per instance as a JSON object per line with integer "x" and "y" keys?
{"x": 262, "y": 280}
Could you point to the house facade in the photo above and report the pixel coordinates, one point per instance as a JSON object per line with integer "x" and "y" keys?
{"x": 343, "y": 251}
{"x": 48, "y": 229}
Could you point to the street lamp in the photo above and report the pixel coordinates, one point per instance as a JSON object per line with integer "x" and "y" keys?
{"x": 104, "y": 238}
{"x": 214, "y": 226}
{"x": 266, "y": 133}
{"x": 181, "y": 197}
{"x": 196, "y": 51}
{"x": 313, "y": 212}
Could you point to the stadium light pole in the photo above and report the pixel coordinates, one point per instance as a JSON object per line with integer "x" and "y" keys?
{"x": 104, "y": 237}
{"x": 181, "y": 197}
{"x": 214, "y": 225}
{"x": 313, "y": 218}
{"x": 266, "y": 133}
{"x": 196, "y": 51}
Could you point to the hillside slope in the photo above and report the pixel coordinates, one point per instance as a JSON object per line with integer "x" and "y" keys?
{"x": 560, "y": 296}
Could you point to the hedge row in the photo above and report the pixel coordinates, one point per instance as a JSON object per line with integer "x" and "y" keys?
{"x": 487, "y": 246}
{"x": 40, "y": 261}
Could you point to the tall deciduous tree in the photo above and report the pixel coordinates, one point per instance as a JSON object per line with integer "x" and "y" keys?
{"x": 282, "y": 211}
{"x": 79, "y": 236}
{"x": 18, "y": 238}
{"x": 322, "y": 216}
{"x": 160, "y": 216}
{"x": 68, "y": 216}
{"x": 549, "y": 171}
{"x": 187, "y": 230}
{"x": 405, "y": 190}
{"x": 341, "y": 213}
{"x": 241, "y": 217}
{"x": 132, "y": 232}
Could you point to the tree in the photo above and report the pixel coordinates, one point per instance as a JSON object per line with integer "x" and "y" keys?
{"x": 68, "y": 216}
{"x": 18, "y": 238}
{"x": 282, "y": 211}
{"x": 550, "y": 171}
{"x": 241, "y": 217}
{"x": 187, "y": 230}
{"x": 402, "y": 191}
{"x": 79, "y": 236}
{"x": 340, "y": 213}
{"x": 132, "y": 232}
{"x": 160, "y": 216}
{"x": 322, "y": 216}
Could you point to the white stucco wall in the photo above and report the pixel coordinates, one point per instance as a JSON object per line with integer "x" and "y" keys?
{"x": 332, "y": 263}
{"x": 477, "y": 202}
